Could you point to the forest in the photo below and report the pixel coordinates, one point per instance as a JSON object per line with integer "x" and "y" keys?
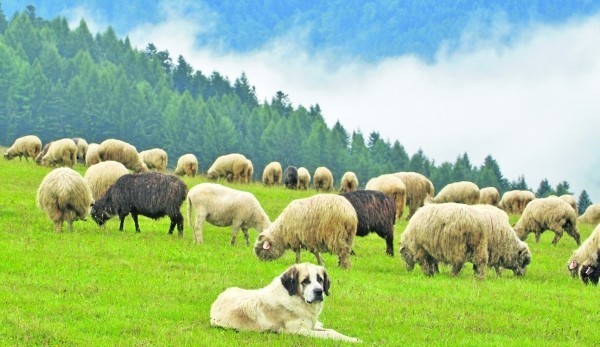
{"x": 57, "y": 81}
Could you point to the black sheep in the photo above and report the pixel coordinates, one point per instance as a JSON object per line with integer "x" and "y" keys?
{"x": 150, "y": 194}
{"x": 590, "y": 273}
{"x": 290, "y": 177}
{"x": 376, "y": 213}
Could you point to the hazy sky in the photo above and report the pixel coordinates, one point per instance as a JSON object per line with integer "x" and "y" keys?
{"x": 534, "y": 105}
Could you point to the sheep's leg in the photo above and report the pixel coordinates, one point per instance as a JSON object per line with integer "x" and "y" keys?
{"x": 234, "y": 231}
{"x": 389, "y": 241}
{"x": 537, "y": 236}
{"x": 122, "y": 218}
{"x": 135, "y": 220}
{"x": 456, "y": 268}
{"x": 172, "y": 226}
{"x": 246, "y": 236}
{"x": 557, "y": 236}
{"x": 297, "y": 251}
{"x": 70, "y": 223}
{"x": 198, "y": 227}
{"x": 318, "y": 256}
{"x": 58, "y": 225}
{"x": 498, "y": 271}
{"x": 179, "y": 223}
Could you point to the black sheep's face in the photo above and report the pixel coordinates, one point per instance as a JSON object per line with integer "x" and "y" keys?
{"x": 100, "y": 216}
{"x": 589, "y": 273}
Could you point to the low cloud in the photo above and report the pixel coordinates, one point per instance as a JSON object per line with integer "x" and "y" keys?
{"x": 530, "y": 103}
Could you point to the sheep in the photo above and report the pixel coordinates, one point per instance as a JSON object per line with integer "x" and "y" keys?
{"x": 290, "y": 177}
{"x": 391, "y": 186}
{"x": 231, "y": 166}
{"x": 122, "y": 152}
{"x": 249, "y": 173}
{"x": 376, "y": 212}
{"x": 591, "y": 215}
{"x": 44, "y": 151}
{"x": 586, "y": 252}
{"x": 303, "y": 178}
{"x": 463, "y": 192}
{"x": 515, "y": 201}
{"x": 272, "y": 174}
{"x": 570, "y": 199}
{"x": 151, "y": 194}
{"x": 27, "y": 146}
{"x": 489, "y": 196}
{"x": 548, "y": 213}
{"x": 155, "y": 159}
{"x": 187, "y": 164}
{"x": 590, "y": 273}
{"x": 102, "y": 176}
{"x": 91, "y": 156}
{"x": 82, "y": 148}
{"x": 323, "y": 179}
{"x": 223, "y": 206}
{"x": 450, "y": 233}
{"x": 505, "y": 249}
{"x": 61, "y": 152}
{"x": 64, "y": 196}
{"x": 349, "y": 182}
{"x": 418, "y": 188}
{"x": 320, "y": 223}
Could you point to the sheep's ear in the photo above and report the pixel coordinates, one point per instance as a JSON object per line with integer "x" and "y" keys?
{"x": 266, "y": 245}
{"x": 572, "y": 265}
{"x": 289, "y": 280}
{"x": 589, "y": 270}
{"x": 326, "y": 282}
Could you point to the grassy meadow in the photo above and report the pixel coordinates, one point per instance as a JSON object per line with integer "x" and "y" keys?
{"x": 98, "y": 286}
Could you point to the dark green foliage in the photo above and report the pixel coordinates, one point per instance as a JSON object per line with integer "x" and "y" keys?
{"x": 544, "y": 190}
{"x": 583, "y": 202}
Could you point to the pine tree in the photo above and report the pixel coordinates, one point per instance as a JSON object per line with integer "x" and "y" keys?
{"x": 3, "y": 22}
{"x": 583, "y": 202}
{"x": 563, "y": 188}
{"x": 544, "y": 190}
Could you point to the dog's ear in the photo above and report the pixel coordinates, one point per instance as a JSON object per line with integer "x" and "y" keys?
{"x": 326, "y": 282}
{"x": 289, "y": 280}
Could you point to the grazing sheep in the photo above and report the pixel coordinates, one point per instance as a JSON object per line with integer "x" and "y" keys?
{"x": 489, "y": 196}
{"x": 349, "y": 182}
{"x": 122, "y": 152}
{"x": 591, "y": 215}
{"x": 320, "y": 223}
{"x": 249, "y": 173}
{"x": 61, "y": 152}
{"x": 231, "y": 166}
{"x": 463, "y": 192}
{"x": 450, "y": 233}
{"x": 272, "y": 174}
{"x": 290, "y": 177}
{"x": 418, "y": 188}
{"x": 515, "y": 201}
{"x": 82, "y": 148}
{"x": 587, "y": 252}
{"x": 376, "y": 212}
{"x": 38, "y": 159}
{"x": 303, "y": 178}
{"x": 570, "y": 199}
{"x": 323, "y": 179}
{"x": 589, "y": 272}
{"x": 27, "y": 146}
{"x": 505, "y": 249}
{"x": 223, "y": 206}
{"x": 102, "y": 176}
{"x": 150, "y": 194}
{"x": 64, "y": 196}
{"x": 187, "y": 164}
{"x": 91, "y": 156}
{"x": 548, "y": 214}
{"x": 391, "y": 186}
{"x": 155, "y": 159}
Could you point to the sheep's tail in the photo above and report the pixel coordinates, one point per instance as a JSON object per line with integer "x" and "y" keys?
{"x": 189, "y": 211}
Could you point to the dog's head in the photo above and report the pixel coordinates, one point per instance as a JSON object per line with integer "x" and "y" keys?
{"x": 307, "y": 281}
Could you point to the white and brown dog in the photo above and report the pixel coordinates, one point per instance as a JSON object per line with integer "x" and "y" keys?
{"x": 291, "y": 303}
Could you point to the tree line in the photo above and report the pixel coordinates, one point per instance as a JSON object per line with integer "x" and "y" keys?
{"x": 60, "y": 82}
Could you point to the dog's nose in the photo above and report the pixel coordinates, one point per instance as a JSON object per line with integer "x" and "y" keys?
{"x": 318, "y": 292}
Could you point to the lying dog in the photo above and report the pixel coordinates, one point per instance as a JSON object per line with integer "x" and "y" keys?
{"x": 290, "y": 304}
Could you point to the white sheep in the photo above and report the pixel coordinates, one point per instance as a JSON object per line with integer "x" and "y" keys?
{"x": 570, "y": 199}
{"x": 548, "y": 214}
{"x": 27, "y": 146}
{"x": 349, "y": 182}
{"x": 391, "y": 186}
{"x": 223, "y": 206}
{"x": 61, "y": 152}
{"x": 272, "y": 174}
{"x": 320, "y": 223}
{"x": 515, "y": 201}
{"x": 82, "y": 148}
{"x": 591, "y": 215}
{"x": 91, "y": 156}
{"x": 232, "y": 166}
{"x": 102, "y": 176}
{"x": 122, "y": 152}
{"x": 587, "y": 252}
{"x": 303, "y": 178}
{"x": 64, "y": 196}
{"x": 323, "y": 179}
{"x": 187, "y": 164}
{"x": 155, "y": 159}
{"x": 489, "y": 196}
{"x": 418, "y": 188}
{"x": 450, "y": 233}
{"x": 463, "y": 192}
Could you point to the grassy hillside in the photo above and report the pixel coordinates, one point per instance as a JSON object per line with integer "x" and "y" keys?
{"x": 104, "y": 287}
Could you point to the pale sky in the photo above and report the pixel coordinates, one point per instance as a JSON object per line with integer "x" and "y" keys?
{"x": 534, "y": 105}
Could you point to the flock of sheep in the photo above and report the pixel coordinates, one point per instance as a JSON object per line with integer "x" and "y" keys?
{"x": 462, "y": 223}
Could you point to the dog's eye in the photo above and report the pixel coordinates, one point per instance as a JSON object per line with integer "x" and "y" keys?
{"x": 306, "y": 281}
{"x": 319, "y": 279}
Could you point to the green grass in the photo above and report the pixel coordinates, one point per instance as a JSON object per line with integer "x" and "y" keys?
{"x": 104, "y": 287}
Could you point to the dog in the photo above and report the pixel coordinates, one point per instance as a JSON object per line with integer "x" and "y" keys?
{"x": 291, "y": 303}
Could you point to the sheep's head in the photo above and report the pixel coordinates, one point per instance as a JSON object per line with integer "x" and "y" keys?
{"x": 265, "y": 249}
{"x": 212, "y": 174}
{"x": 589, "y": 273}
{"x": 100, "y": 214}
{"x": 573, "y": 267}
{"x": 407, "y": 257}
{"x": 523, "y": 259}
